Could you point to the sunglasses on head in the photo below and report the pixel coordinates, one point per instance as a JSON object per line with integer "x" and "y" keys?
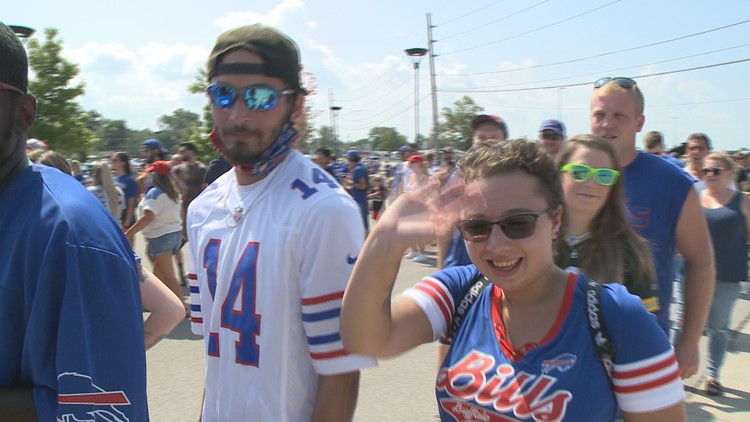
{"x": 716, "y": 171}
{"x": 256, "y": 97}
{"x": 519, "y": 226}
{"x": 581, "y": 173}
{"x": 625, "y": 83}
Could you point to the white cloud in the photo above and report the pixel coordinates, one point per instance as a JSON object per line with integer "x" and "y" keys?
{"x": 138, "y": 85}
{"x": 274, "y": 17}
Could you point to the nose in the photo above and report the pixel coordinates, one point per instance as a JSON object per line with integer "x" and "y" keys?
{"x": 497, "y": 240}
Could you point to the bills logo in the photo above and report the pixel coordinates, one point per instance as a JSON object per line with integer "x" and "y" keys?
{"x": 476, "y": 378}
{"x": 84, "y": 401}
{"x": 562, "y": 363}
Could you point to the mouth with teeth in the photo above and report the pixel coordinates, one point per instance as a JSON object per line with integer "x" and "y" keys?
{"x": 507, "y": 266}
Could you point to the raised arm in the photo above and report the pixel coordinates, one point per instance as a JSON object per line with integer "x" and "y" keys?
{"x": 371, "y": 323}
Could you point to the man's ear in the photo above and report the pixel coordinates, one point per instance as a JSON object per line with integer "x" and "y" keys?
{"x": 25, "y": 112}
{"x": 298, "y": 110}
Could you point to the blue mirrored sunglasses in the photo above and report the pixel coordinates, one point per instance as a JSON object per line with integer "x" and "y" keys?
{"x": 625, "y": 83}
{"x": 256, "y": 97}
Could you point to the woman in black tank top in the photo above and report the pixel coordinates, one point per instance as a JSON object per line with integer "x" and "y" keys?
{"x": 726, "y": 212}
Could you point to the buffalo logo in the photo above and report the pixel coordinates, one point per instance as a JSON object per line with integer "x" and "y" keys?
{"x": 562, "y": 363}
{"x": 81, "y": 400}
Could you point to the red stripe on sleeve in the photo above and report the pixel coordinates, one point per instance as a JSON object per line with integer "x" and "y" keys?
{"x": 329, "y": 355}
{"x": 674, "y": 375}
{"x": 429, "y": 290}
{"x": 656, "y": 366}
{"x": 324, "y": 298}
{"x": 197, "y": 320}
{"x": 192, "y": 276}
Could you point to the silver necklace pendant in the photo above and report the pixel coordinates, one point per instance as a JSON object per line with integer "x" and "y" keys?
{"x": 234, "y": 218}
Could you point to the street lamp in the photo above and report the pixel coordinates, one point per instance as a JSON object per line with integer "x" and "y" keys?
{"x": 23, "y": 32}
{"x": 416, "y": 55}
{"x": 334, "y": 124}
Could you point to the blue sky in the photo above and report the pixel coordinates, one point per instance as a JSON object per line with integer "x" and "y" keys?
{"x": 137, "y": 57}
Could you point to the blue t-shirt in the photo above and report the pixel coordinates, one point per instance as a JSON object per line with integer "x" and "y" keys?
{"x": 655, "y": 192}
{"x": 560, "y": 378}
{"x": 129, "y": 187}
{"x": 457, "y": 254}
{"x": 359, "y": 172}
{"x": 71, "y": 322}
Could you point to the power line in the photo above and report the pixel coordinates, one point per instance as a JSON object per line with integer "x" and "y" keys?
{"x": 398, "y": 114}
{"x": 609, "y": 53}
{"x": 610, "y": 71}
{"x": 495, "y": 21}
{"x": 470, "y": 13}
{"x": 690, "y": 69}
{"x": 535, "y": 29}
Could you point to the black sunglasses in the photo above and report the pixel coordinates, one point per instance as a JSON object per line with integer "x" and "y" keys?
{"x": 716, "y": 171}
{"x": 256, "y": 97}
{"x": 519, "y": 226}
{"x": 625, "y": 83}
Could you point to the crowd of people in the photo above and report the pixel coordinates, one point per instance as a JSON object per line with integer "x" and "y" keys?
{"x": 556, "y": 260}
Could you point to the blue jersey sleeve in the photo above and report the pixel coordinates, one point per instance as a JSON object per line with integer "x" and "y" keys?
{"x": 81, "y": 353}
{"x": 438, "y": 295}
{"x": 645, "y": 374}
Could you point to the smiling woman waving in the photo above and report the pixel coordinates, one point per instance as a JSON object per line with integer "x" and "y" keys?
{"x": 523, "y": 348}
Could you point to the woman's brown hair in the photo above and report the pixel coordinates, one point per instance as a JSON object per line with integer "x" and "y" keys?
{"x": 614, "y": 248}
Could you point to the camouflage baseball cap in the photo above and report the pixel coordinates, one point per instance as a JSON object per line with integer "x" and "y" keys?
{"x": 279, "y": 52}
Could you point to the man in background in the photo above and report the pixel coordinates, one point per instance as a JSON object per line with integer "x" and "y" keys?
{"x": 552, "y": 136}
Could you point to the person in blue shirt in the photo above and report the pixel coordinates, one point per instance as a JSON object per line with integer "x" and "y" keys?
{"x": 71, "y": 323}
{"x": 663, "y": 208}
{"x": 653, "y": 142}
{"x": 126, "y": 181}
{"x": 359, "y": 185}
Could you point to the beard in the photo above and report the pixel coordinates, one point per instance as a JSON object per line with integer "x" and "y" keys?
{"x": 253, "y": 143}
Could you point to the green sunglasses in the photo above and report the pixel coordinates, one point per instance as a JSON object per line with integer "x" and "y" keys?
{"x": 582, "y": 172}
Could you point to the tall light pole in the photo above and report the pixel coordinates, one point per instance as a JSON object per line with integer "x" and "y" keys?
{"x": 416, "y": 55}
{"x": 335, "y": 129}
{"x": 23, "y": 32}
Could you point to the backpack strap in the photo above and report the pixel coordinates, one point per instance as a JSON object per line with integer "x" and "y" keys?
{"x": 470, "y": 295}
{"x": 603, "y": 346}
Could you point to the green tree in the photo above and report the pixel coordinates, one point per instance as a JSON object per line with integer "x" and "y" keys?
{"x": 60, "y": 121}
{"x": 177, "y": 127}
{"x": 386, "y": 139}
{"x": 455, "y": 130}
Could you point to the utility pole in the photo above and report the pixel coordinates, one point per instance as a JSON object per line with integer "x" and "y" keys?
{"x": 431, "y": 46}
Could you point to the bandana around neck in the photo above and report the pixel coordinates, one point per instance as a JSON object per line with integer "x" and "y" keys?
{"x": 267, "y": 161}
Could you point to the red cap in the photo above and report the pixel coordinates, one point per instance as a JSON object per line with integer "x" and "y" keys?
{"x": 160, "y": 167}
{"x": 416, "y": 158}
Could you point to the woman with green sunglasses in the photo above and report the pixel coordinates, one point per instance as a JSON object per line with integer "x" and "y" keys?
{"x": 600, "y": 240}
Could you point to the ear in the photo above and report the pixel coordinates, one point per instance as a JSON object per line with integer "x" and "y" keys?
{"x": 298, "y": 109}
{"x": 640, "y": 120}
{"x": 557, "y": 221}
{"x": 25, "y": 113}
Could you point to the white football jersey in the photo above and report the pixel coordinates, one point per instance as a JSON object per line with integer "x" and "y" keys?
{"x": 266, "y": 293}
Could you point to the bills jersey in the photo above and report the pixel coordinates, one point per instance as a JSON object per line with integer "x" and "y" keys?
{"x": 71, "y": 321}
{"x": 485, "y": 377}
{"x": 266, "y": 293}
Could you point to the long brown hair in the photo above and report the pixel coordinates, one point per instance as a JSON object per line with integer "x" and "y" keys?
{"x": 166, "y": 184}
{"x": 613, "y": 244}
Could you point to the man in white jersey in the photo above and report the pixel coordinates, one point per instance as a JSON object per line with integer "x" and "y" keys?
{"x": 272, "y": 244}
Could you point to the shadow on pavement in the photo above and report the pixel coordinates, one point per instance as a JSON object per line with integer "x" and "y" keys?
{"x": 733, "y": 401}
{"x": 182, "y": 332}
